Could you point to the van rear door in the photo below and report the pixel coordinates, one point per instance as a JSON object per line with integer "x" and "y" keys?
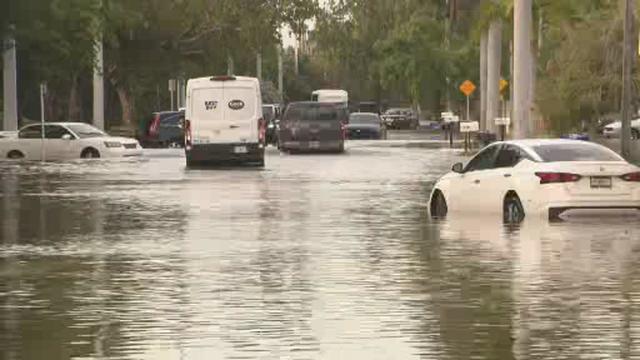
{"x": 207, "y": 114}
{"x": 241, "y": 104}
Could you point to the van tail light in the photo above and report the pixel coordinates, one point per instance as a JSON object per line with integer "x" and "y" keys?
{"x": 188, "y": 137}
{"x": 343, "y": 129}
{"x": 632, "y": 177}
{"x": 154, "y": 127}
{"x": 262, "y": 130}
{"x": 557, "y": 177}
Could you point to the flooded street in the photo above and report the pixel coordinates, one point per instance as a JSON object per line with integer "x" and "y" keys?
{"x": 314, "y": 257}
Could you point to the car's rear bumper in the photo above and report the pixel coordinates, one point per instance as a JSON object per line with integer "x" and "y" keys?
{"x": 121, "y": 152}
{"x": 223, "y": 154}
{"x": 313, "y": 146}
{"x": 356, "y": 134}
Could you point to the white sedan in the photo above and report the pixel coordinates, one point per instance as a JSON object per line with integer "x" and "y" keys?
{"x": 614, "y": 129}
{"x": 65, "y": 141}
{"x": 545, "y": 177}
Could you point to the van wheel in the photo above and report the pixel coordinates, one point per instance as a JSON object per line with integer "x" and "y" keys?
{"x": 15, "y": 155}
{"x": 90, "y": 153}
{"x": 513, "y": 212}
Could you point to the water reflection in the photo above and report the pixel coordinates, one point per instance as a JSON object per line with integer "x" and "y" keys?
{"x": 564, "y": 290}
{"x": 307, "y": 259}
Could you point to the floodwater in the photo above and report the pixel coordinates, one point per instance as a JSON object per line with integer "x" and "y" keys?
{"x": 315, "y": 257}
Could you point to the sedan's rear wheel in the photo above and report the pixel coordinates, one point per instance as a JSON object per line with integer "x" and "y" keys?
{"x": 15, "y": 155}
{"x": 513, "y": 210}
{"x": 439, "y": 208}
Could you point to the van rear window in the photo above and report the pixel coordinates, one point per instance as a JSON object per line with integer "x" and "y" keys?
{"x": 313, "y": 114}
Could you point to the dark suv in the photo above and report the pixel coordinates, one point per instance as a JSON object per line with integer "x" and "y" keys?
{"x": 313, "y": 127}
{"x": 163, "y": 129}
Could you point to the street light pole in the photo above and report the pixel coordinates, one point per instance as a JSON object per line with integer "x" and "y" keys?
{"x": 627, "y": 69}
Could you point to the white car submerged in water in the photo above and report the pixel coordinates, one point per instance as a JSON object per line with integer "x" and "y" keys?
{"x": 545, "y": 177}
{"x": 64, "y": 141}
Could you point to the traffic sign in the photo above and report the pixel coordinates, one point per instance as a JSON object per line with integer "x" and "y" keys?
{"x": 469, "y": 126}
{"x": 503, "y": 121}
{"x": 503, "y": 85}
{"x": 467, "y": 88}
{"x": 451, "y": 119}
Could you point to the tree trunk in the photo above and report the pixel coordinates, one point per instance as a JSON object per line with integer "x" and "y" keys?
{"x": 127, "y": 105}
{"x": 494, "y": 57}
{"x": 74, "y": 100}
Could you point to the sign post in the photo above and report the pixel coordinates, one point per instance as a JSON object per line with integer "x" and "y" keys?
{"x": 467, "y": 128}
{"x": 503, "y": 122}
{"x": 172, "y": 88}
{"x": 450, "y": 121}
{"x": 43, "y": 93}
{"x": 467, "y": 88}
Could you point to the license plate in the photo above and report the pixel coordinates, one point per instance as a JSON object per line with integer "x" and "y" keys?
{"x": 601, "y": 182}
{"x": 240, "y": 150}
{"x": 314, "y": 144}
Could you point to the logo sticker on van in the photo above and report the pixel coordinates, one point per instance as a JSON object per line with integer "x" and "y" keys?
{"x": 236, "y": 104}
{"x": 210, "y": 105}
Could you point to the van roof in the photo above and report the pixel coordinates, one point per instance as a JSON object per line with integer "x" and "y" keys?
{"x": 207, "y": 80}
{"x": 315, "y": 103}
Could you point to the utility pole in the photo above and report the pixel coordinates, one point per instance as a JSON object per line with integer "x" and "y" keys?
{"x": 10, "y": 85}
{"x": 259, "y": 65}
{"x": 230, "y": 65}
{"x": 627, "y": 70}
{"x": 494, "y": 57}
{"x": 280, "y": 73}
{"x": 98, "y": 86}
{"x": 522, "y": 71}
{"x": 483, "y": 81}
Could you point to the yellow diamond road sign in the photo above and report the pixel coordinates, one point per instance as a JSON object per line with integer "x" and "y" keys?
{"x": 503, "y": 85}
{"x": 467, "y": 88}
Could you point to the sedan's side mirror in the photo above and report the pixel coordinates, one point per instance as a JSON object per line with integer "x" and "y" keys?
{"x": 457, "y": 168}
{"x": 66, "y": 137}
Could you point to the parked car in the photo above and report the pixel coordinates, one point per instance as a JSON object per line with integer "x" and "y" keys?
{"x": 164, "y": 129}
{"x": 613, "y": 130}
{"x": 400, "y": 118}
{"x": 538, "y": 177}
{"x": 65, "y": 141}
{"x": 271, "y": 115}
{"x": 224, "y": 123}
{"x": 365, "y": 126}
{"x": 313, "y": 126}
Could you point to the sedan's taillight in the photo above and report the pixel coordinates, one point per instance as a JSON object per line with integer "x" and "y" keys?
{"x": 188, "y": 138}
{"x": 556, "y": 177}
{"x": 632, "y": 177}
{"x": 154, "y": 128}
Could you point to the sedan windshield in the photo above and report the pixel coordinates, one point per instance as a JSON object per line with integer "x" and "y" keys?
{"x": 85, "y": 131}
{"x": 361, "y": 119}
{"x": 575, "y": 152}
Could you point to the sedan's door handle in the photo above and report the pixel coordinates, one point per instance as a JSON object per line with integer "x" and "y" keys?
{"x": 507, "y": 175}
{"x": 233, "y": 126}
{"x": 476, "y": 181}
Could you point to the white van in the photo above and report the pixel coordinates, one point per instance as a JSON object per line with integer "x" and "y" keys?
{"x": 224, "y": 122}
{"x": 331, "y": 96}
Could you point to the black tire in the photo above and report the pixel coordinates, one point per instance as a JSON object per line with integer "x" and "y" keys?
{"x": 90, "y": 153}
{"x": 15, "y": 155}
{"x": 635, "y": 134}
{"x": 513, "y": 211}
{"x": 439, "y": 208}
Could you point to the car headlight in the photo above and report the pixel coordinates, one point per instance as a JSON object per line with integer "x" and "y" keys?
{"x": 112, "y": 144}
